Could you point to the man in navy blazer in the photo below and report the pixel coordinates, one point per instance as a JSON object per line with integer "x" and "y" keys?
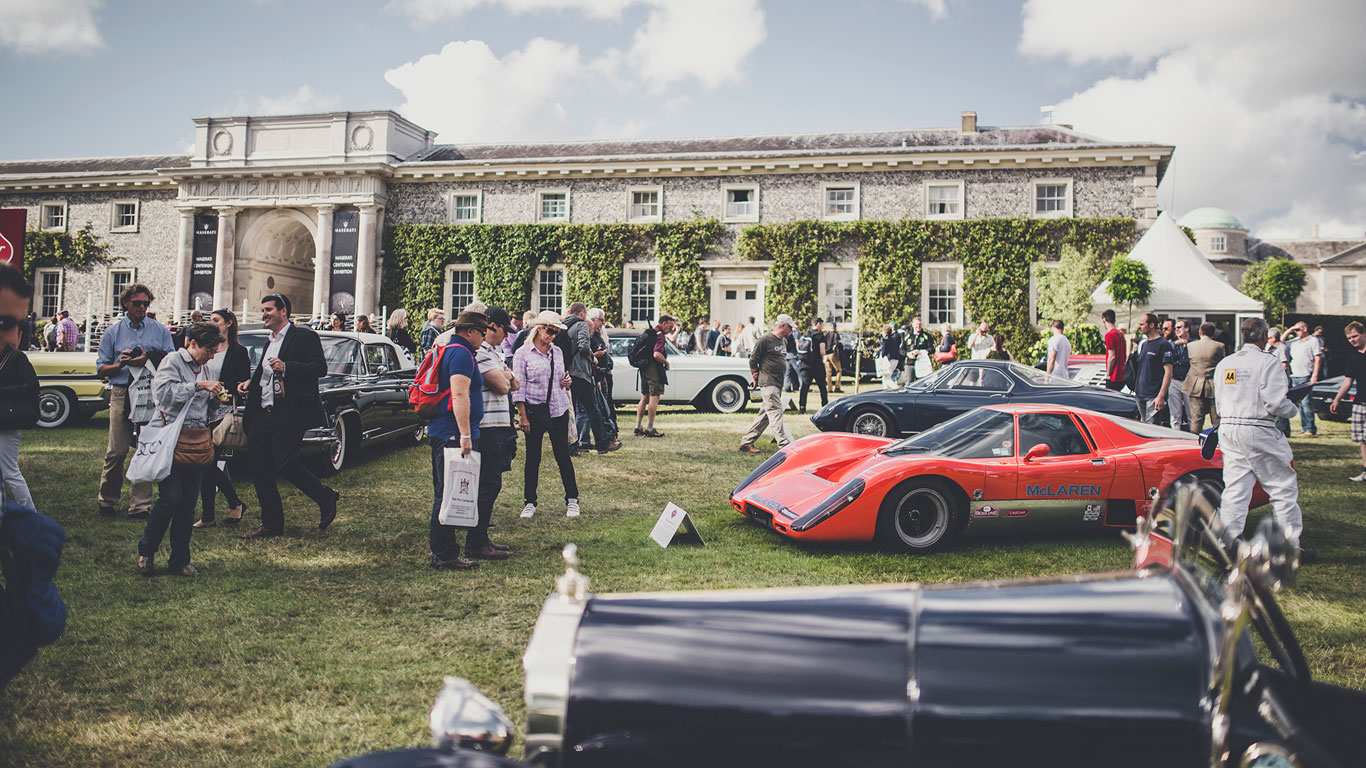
{"x": 283, "y": 403}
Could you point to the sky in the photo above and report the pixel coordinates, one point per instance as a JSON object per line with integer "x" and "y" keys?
{"x": 1264, "y": 101}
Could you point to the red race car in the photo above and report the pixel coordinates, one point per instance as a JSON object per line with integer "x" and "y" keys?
{"x": 1007, "y": 467}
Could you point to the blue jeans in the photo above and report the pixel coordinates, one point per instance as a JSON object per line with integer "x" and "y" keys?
{"x": 588, "y": 426}
{"x": 174, "y": 508}
{"x": 441, "y": 538}
{"x": 1306, "y": 407}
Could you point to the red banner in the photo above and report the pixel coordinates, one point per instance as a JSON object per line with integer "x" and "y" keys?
{"x": 12, "y": 221}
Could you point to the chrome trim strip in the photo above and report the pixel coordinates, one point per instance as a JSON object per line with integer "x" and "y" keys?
{"x": 548, "y": 666}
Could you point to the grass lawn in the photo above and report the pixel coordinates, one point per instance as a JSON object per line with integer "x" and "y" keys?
{"x": 310, "y": 647}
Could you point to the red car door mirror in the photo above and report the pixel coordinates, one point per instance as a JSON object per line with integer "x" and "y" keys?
{"x": 1035, "y": 452}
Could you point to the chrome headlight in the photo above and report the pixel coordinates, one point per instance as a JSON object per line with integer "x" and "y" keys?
{"x": 464, "y": 717}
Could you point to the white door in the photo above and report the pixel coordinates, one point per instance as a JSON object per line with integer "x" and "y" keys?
{"x": 737, "y": 302}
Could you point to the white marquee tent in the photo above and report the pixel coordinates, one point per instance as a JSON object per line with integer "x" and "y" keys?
{"x": 1185, "y": 284}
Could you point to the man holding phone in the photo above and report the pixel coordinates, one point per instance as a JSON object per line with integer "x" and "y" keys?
{"x": 127, "y": 344}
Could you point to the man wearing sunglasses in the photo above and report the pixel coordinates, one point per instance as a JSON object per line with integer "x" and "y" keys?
{"x": 126, "y": 345}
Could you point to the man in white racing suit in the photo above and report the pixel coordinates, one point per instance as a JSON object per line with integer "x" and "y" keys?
{"x": 1250, "y": 394}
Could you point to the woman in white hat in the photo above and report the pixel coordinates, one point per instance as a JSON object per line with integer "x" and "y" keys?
{"x": 543, "y": 406}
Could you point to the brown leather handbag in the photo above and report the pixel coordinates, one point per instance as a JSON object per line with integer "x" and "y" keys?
{"x": 194, "y": 448}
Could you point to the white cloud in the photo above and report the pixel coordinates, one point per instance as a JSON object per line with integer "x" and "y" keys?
{"x": 938, "y": 9}
{"x": 426, "y": 11}
{"x": 466, "y": 93}
{"x": 1263, "y": 101}
{"x": 300, "y": 102}
{"x": 50, "y": 26}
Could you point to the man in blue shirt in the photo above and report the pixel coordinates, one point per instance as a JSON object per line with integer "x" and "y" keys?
{"x": 127, "y": 344}
{"x": 456, "y": 422}
{"x": 1154, "y": 361}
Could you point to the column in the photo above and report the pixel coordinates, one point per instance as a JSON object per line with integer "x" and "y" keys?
{"x": 322, "y": 261}
{"x": 365, "y": 259}
{"x": 223, "y": 258}
{"x": 184, "y": 257}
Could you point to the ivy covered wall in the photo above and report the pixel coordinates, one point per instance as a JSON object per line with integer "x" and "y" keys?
{"x": 996, "y": 255}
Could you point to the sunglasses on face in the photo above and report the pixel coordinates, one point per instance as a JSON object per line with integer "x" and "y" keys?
{"x": 143, "y": 304}
{"x": 8, "y": 322}
{"x": 552, "y": 331}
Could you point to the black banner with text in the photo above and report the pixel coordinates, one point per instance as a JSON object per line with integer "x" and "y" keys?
{"x": 345, "y": 242}
{"x": 202, "y": 258}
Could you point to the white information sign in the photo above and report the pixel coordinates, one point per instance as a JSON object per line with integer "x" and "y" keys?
{"x": 666, "y": 528}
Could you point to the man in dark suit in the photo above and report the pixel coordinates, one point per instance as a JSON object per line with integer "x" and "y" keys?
{"x": 282, "y": 403}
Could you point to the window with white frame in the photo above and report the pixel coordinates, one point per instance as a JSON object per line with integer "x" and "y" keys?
{"x": 942, "y": 294}
{"x": 466, "y": 206}
{"x": 49, "y": 294}
{"x": 645, "y": 205}
{"x": 552, "y": 205}
{"x": 840, "y": 202}
{"x": 459, "y": 288}
{"x": 1349, "y": 290}
{"x": 123, "y": 216}
{"x": 549, "y": 293}
{"x": 740, "y": 203}
{"x": 1052, "y": 198}
{"x": 1218, "y": 244}
{"x": 837, "y": 293}
{"x": 642, "y": 292}
{"x": 119, "y": 279}
{"x": 944, "y": 200}
{"x": 53, "y": 216}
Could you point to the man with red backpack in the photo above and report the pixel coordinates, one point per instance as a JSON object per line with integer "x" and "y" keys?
{"x": 456, "y": 422}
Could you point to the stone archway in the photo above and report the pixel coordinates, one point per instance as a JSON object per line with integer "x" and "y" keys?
{"x": 280, "y": 254}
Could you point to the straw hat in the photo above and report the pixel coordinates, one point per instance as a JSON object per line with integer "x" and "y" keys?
{"x": 548, "y": 319}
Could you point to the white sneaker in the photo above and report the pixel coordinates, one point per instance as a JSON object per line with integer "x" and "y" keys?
{"x": 528, "y": 510}
{"x": 1361, "y": 478}
{"x": 572, "y": 508}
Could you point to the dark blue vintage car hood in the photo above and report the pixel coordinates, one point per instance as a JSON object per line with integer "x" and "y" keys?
{"x": 1103, "y": 670}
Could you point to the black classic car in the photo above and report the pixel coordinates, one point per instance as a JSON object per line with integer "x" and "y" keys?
{"x": 1150, "y": 667}
{"x": 365, "y": 393}
{"x": 958, "y": 388}
{"x": 1322, "y": 394}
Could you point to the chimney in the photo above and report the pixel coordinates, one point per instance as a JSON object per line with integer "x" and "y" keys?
{"x": 969, "y": 122}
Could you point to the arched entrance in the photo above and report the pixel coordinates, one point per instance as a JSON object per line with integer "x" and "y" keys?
{"x": 280, "y": 259}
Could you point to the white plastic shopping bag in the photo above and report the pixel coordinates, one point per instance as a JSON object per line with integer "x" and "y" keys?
{"x": 156, "y": 448}
{"x": 460, "y": 500}
{"x": 141, "y": 406}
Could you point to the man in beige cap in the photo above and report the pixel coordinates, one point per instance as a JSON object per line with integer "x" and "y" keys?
{"x": 768, "y": 366}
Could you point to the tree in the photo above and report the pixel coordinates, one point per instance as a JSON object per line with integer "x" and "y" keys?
{"x": 1130, "y": 281}
{"x": 1064, "y": 291}
{"x": 1277, "y": 283}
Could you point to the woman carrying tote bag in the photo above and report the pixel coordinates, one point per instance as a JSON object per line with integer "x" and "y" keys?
{"x": 181, "y": 386}
{"x": 230, "y": 365}
{"x": 543, "y": 406}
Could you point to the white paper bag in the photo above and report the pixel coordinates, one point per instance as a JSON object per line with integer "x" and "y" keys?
{"x": 156, "y": 448}
{"x": 141, "y": 406}
{"x": 460, "y": 500}
{"x": 923, "y": 367}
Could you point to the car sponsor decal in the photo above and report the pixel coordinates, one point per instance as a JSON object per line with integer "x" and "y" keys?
{"x": 1016, "y": 512}
{"x": 986, "y": 511}
{"x": 1063, "y": 491}
{"x": 1091, "y": 514}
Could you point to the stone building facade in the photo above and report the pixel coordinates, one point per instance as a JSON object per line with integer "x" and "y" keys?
{"x": 1335, "y": 269}
{"x": 299, "y": 204}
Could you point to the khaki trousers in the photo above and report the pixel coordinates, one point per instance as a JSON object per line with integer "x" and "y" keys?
{"x": 833, "y": 370}
{"x": 120, "y": 440}
{"x": 1199, "y": 406}
{"x": 770, "y": 412}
